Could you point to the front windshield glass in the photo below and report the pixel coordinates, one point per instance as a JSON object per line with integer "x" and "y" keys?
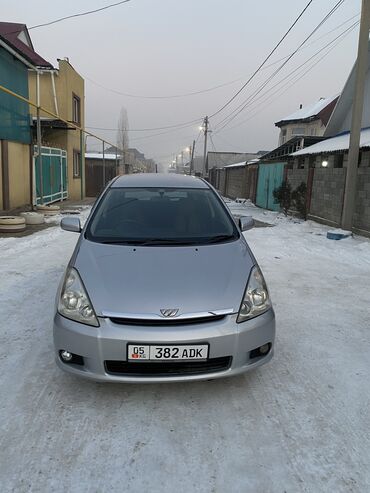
{"x": 161, "y": 216}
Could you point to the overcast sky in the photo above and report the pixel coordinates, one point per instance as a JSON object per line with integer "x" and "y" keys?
{"x": 173, "y": 47}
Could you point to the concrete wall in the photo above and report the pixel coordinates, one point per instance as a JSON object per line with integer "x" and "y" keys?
{"x": 361, "y": 218}
{"x": 327, "y": 194}
{"x": 236, "y": 182}
{"x": 296, "y": 176}
{"x": 67, "y": 83}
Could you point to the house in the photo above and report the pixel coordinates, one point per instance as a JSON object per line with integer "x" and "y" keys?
{"x": 323, "y": 165}
{"x": 62, "y": 92}
{"x": 58, "y": 172}
{"x": 15, "y": 131}
{"x": 310, "y": 121}
{"x": 299, "y": 130}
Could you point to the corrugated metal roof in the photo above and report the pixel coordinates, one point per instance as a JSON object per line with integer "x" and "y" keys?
{"x": 236, "y": 165}
{"x": 98, "y": 155}
{"x": 337, "y": 143}
{"x": 310, "y": 110}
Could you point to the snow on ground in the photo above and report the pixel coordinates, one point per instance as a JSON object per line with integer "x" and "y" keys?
{"x": 298, "y": 424}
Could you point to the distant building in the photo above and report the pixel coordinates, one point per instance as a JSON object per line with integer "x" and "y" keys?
{"x": 133, "y": 161}
{"x": 310, "y": 121}
{"x": 222, "y": 159}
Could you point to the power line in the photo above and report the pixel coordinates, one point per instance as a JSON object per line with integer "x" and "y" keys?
{"x": 287, "y": 85}
{"x": 252, "y": 98}
{"x": 300, "y": 76}
{"x": 173, "y": 96}
{"x": 79, "y": 15}
{"x": 243, "y": 105}
{"x": 263, "y": 63}
{"x": 210, "y": 89}
{"x": 182, "y": 125}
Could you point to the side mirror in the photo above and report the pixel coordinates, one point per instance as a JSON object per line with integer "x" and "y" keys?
{"x": 71, "y": 224}
{"x": 246, "y": 223}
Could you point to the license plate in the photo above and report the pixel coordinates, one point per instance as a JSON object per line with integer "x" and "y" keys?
{"x": 137, "y": 352}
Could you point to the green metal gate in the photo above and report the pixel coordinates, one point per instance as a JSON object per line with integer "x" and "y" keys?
{"x": 270, "y": 176}
{"x": 51, "y": 178}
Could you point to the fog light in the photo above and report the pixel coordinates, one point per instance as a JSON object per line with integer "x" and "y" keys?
{"x": 260, "y": 351}
{"x": 66, "y": 356}
{"x": 265, "y": 348}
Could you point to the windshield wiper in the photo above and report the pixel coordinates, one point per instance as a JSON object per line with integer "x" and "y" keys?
{"x": 120, "y": 242}
{"x": 164, "y": 241}
{"x": 151, "y": 241}
{"x": 219, "y": 238}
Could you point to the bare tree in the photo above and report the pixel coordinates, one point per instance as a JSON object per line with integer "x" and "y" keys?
{"x": 122, "y": 135}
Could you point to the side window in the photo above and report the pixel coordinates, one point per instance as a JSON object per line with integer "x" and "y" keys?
{"x": 76, "y": 109}
{"x": 76, "y": 164}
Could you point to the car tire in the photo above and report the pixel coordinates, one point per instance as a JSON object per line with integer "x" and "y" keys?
{"x": 12, "y": 224}
{"x": 33, "y": 217}
{"x": 49, "y": 210}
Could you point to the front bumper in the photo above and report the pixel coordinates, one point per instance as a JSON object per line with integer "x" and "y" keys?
{"x": 109, "y": 342}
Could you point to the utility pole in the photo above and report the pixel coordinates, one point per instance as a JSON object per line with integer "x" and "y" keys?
{"x": 39, "y": 145}
{"x": 192, "y": 157}
{"x": 205, "y": 130}
{"x": 349, "y": 202}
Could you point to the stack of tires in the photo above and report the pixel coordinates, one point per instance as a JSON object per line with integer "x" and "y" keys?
{"x": 48, "y": 210}
{"x": 12, "y": 224}
{"x": 17, "y": 224}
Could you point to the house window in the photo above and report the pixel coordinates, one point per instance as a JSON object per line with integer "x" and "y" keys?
{"x": 76, "y": 164}
{"x": 298, "y": 131}
{"x": 76, "y": 109}
{"x": 301, "y": 163}
{"x": 311, "y": 161}
{"x": 283, "y": 135}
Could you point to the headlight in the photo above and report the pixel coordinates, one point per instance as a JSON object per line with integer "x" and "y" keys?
{"x": 74, "y": 302}
{"x": 256, "y": 297}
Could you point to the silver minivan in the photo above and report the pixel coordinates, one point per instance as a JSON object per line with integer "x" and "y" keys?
{"x": 162, "y": 286}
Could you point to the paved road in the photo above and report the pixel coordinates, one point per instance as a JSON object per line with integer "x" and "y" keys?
{"x": 299, "y": 424}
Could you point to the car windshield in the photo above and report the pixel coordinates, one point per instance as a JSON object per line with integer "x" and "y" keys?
{"x": 157, "y": 216}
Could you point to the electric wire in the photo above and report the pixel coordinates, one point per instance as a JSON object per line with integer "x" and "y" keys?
{"x": 263, "y": 63}
{"x": 288, "y": 85}
{"x": 88, "y": 12}
{"x": 210, "y": 89}
{"x": 241, "y": 107}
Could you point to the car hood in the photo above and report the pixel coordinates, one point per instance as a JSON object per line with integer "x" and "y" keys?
{"x": 140, "y": 281}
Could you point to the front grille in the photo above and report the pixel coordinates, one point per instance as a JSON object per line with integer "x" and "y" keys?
{"x": 167, "y": 321}
{"x": 170, "y": 368}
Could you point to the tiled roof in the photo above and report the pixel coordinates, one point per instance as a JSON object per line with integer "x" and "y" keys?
{"x": 9, "y": 32}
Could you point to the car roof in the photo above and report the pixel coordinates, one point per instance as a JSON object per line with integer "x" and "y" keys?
{"x": 162, "y": 180}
